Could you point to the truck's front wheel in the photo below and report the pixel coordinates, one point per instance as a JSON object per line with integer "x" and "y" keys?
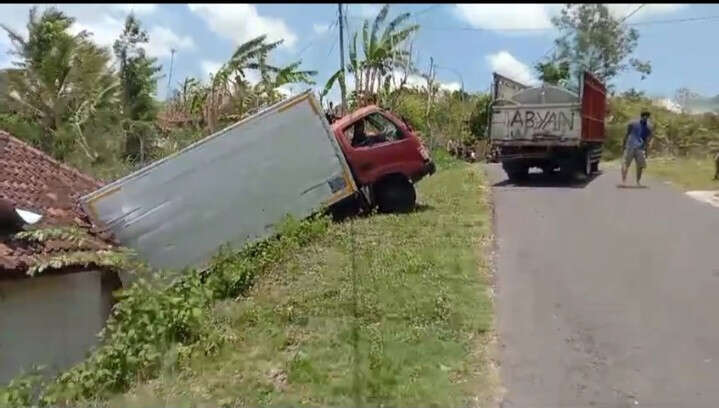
{"x": 395, "y": 195}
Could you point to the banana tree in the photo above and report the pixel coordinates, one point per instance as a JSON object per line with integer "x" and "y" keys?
{"x": 382, "y": 54}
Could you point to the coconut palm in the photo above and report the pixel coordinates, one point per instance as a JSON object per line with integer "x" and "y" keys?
{"x": 61, "y": 79}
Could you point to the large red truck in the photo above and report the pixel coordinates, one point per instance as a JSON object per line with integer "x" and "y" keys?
{"x": 547, "y": 126}
{"x": 386, "y": 161}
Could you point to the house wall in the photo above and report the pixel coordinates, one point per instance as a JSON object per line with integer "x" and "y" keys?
{"x": 51, "y": 320}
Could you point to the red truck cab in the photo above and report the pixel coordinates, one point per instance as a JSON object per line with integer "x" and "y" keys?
{"x": 385, "y": 156}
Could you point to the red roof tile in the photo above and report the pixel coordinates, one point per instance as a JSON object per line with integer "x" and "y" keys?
{"x": 32, "y": 180}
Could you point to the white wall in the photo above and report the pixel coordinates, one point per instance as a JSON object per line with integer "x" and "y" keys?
{"x": 51, "y": 320}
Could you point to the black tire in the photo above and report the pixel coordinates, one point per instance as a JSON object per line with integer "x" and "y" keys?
{"x": 548, "y": 169}
{"x": 595, "y": 167}
{"x": 395, "y": 195}
{"x": 587, "y": 163}
{"x": 347, "y": 208}
{"x": 516, "y": 172}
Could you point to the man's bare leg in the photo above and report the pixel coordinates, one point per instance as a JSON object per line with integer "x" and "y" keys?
{"x": 625, "y": 168}
{"x": 639, "y": 174}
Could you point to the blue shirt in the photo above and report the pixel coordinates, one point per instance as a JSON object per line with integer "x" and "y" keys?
{"x": 639, "y": 134}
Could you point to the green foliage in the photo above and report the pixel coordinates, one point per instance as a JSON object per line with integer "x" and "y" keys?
{"x": 71, "y": 234}
{"x": 675, "y": 134}
{"x": 112, "y": 259}
{"x": 382, "y": 55}
{"x": 592, "y": 39}
{"x": 138, "y": 77}
{"x": 61, "y": 82}
{"x": 22, "y": 390}
{"x": 84, "y": 255}
{"x": 635, "y": 95}
{"x": 168, "y": 317}
{"x": 552, "y": 72}
{"x": 479, "y": 117}
{"x": 391, "y": 309}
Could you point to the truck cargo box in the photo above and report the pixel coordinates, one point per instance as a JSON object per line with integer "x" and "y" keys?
{"x": 231, "y": 187}
{"x": 547, "y": 115}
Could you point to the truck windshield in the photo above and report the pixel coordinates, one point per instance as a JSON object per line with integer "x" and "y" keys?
{"x": 372, "y": 129}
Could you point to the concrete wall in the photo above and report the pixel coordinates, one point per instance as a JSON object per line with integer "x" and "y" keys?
{"x": 51, "y": 320}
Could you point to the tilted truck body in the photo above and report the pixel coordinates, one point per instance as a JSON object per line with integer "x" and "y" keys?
{"x": 547, "y": 126}
{"x": 231, "y": 187}
{"x": 234, "y": 186}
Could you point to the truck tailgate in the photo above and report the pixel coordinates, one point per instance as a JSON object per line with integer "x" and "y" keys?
{"x": 560, "y": 124}
{"x": 231, "y": 187}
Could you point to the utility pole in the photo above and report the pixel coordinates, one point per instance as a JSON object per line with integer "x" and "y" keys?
{"x": 430, "y": 86}
{"x": 342, "y": 61}
{"x": 169, "y": 77}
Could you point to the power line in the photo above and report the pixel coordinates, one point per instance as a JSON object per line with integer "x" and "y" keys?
{"x": 311, "y": 42}
{"x": 632, "y": 13}
{"x": 680, "y": 20}
{"x": 427, "y": 9}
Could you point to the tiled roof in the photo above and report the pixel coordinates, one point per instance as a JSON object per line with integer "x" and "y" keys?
{"x": 31, "y": 180}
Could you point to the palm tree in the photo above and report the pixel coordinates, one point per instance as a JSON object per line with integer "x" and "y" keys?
{"x": 61, "y": 79}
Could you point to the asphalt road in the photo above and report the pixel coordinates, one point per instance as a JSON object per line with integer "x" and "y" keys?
{"x": 606, "y": 297}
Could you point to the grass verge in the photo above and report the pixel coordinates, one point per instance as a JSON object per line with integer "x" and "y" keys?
{"x": 686, "y": 173}
{"x": 408, "y": 327}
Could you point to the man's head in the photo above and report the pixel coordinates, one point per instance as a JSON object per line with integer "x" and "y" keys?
{"x": 644, "y": 116}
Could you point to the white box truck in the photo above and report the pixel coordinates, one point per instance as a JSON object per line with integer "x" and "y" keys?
{"x": 230, "y": 188}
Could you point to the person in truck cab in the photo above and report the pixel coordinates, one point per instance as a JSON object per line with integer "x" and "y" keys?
{"x": 362, "y": 138}
{"x": 636, "y": 142}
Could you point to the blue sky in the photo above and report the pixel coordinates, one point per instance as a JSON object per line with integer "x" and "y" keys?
{"x": 468, "y": 42}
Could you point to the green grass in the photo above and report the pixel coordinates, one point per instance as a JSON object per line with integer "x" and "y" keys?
{"x": 686, "y": 173}
{"x": 410, "y": 327}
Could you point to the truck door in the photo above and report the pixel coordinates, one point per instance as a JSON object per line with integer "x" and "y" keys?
{"x": 594, "y": 108}
{"x": 376, "y": 143}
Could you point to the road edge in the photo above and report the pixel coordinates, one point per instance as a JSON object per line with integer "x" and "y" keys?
{"x": 491, "y": 346}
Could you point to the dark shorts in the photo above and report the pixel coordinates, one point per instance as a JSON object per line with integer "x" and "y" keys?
{"x": 637, "y": 154}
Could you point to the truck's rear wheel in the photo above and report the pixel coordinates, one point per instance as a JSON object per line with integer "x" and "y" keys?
{"x": 395, "y": 195}
{"x": 516, "y": 171}
{"x": 588, "y": 163}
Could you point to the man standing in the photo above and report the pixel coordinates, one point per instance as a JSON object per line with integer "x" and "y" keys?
{"x": 636, "y": 142}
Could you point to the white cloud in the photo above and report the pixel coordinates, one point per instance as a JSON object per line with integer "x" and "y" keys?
{"x": 241, "y": 22}
{"x": 163, "y": 40}
{"x": 538, "y": 17}
{"x": 210, "y": 67}
{"x": 419, "y": 82}
{"x": 367, "y": 10}
{"x": 450, "y": 86}
{"x": 288, "y": 90}
{"x": 320, "y": 28}
{"x": 505, "y": 64}
{"x": 105, "y": 29}
{"x": 137, "y": 8}
{"x": 510, "y": 16}
{"x": 622, "y": 10}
